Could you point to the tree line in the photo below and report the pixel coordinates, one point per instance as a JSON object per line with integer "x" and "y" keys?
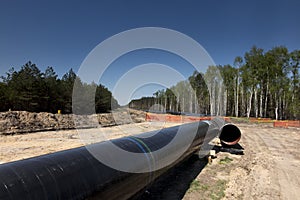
{"x": 32, "y": 90}
{"x": 258, "y": 84}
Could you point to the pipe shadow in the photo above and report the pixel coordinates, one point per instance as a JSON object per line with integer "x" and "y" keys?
{"x": 236, "y": 149}
{"x": 175, "y": 182}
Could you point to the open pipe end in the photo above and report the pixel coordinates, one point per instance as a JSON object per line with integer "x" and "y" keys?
{"x": 230, "y": 135}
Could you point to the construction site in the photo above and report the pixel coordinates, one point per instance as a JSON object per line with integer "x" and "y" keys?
{"x": 149, "y": 100}
{"x": 265, "y": 167}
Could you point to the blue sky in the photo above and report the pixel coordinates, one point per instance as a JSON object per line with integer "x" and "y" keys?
{"x": 62, "y": 33}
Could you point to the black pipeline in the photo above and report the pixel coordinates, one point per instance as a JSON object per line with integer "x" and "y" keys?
{"x": 77, "y": 174}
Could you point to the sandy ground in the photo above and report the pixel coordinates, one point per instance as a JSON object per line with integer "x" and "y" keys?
{"x": 269, "y": 168}
{"x": 17, "y": 147}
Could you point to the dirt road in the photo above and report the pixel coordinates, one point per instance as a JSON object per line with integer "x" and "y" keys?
{"x": 270, "y": 168}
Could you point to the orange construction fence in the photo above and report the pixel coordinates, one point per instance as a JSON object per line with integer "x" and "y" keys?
{"x": 186, "y": 119}
{"x": 177, "y": 118}
{"x": 155, "y": 117}
{"x": 287, "y": 123}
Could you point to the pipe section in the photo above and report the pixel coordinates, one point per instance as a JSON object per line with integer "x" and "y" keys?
{"x": 230, "y": 135}
{"x": 77, "y": 174}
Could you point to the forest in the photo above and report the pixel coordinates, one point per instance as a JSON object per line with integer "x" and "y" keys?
{"x": 259, "y": 84}
{"x": 30, "y": 89}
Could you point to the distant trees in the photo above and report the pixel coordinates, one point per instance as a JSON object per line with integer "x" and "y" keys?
{"x": 182, "y": 97}
{"x": 259, "y": 84}
{"x": 24, "y": 88}
{"x": 295, "y": 83}
{"x": 32, "y": 90}
{"x": 144, "y": 103}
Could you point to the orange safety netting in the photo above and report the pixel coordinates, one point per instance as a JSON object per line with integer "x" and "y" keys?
{"x": 177, "y": 118}
{"x": 287, "y": 123}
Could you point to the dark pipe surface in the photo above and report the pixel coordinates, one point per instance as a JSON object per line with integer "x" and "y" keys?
{"x": 76, "y": 174}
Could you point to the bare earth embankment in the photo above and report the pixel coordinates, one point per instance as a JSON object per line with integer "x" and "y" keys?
{"x": 269, "y": 168}
{"x": 19, "y": 122}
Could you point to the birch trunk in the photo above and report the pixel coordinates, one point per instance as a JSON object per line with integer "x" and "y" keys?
{"x": 219, "y": 100}
{"x": 261, "y": 102}
{"x": 255, "y": 102}
{"x": 225, "y": 104}
{"x": 249, "y": 103}
{"x": 280, "y": 107}
{"x": 237, "y": 99}
{"x": 195, "y": 103}
{"x": 276, "y": 107}
{"x": 212, "y": 100}
{"x": 284, "y": 106}
{"x": 191, "y": 102}
{"x": 177, "y": 104}
{"x": 266, "y": 100}
{"x": 165, "y": 108}
{"x": 183, "y": 105}
{"x": 243, "y": 107}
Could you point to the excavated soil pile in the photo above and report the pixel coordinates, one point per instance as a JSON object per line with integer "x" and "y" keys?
{"x": 13, "y": 122}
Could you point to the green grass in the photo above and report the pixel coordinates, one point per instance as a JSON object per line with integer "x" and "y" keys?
{"x": 197, "y": 186}
{"x": 219, "y": 190}
{"x": 215, "y": 191}
{"x": 225, "y": 160}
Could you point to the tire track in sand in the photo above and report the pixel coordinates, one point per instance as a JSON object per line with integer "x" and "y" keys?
{"x": 285, "y": 163}
{"x": 254, "y": 176}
